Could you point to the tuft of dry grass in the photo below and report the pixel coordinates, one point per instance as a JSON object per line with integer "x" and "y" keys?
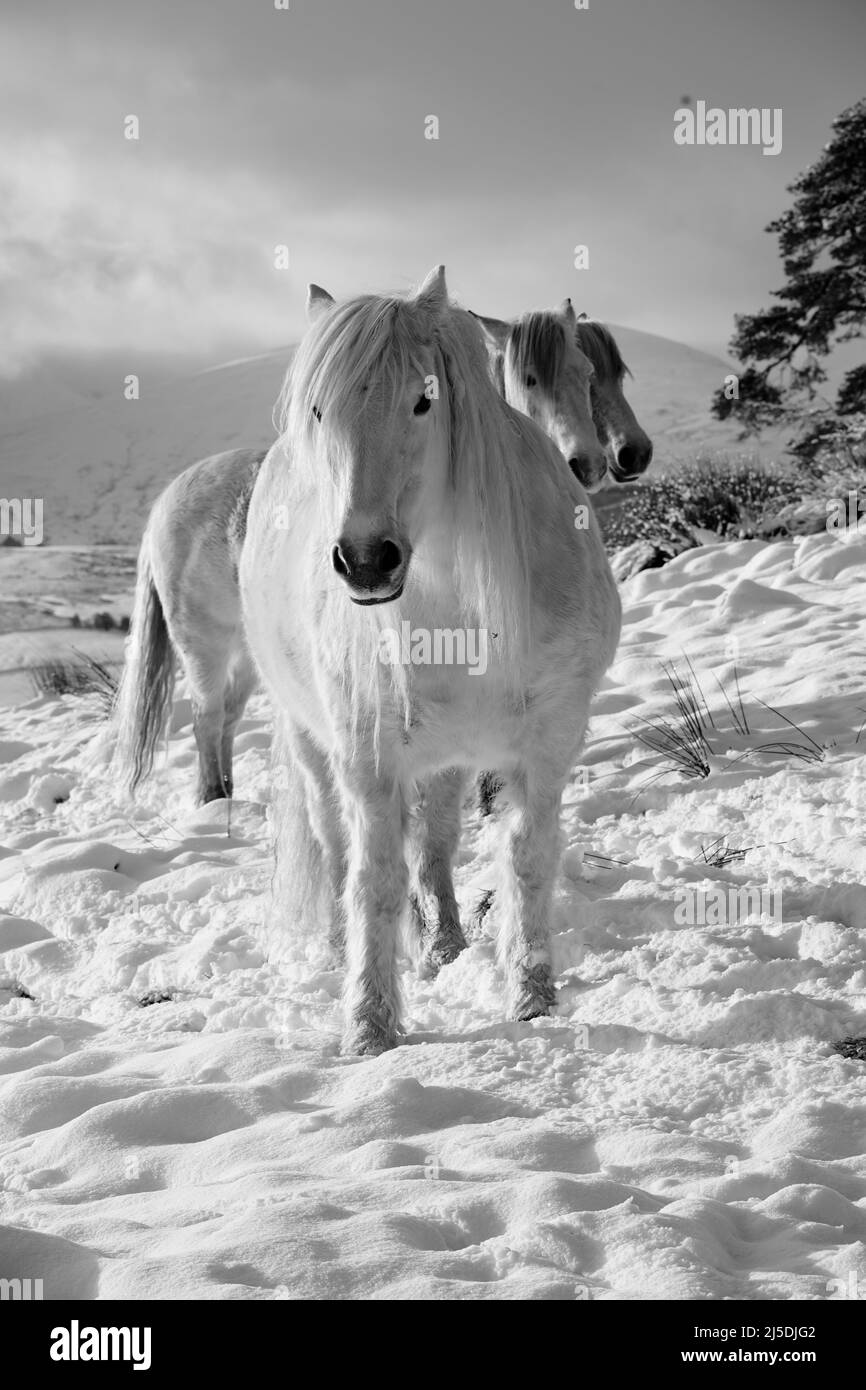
{"x": 79, "y": 675}
{"x": 684, "y": 739}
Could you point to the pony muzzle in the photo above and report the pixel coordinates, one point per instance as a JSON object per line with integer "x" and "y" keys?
{"x": 373, "y": 571}
{"x": 633, "y": 457}
{"x": 589, "y": 469}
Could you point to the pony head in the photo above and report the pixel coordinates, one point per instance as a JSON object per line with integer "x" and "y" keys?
{"x": 543, "y": 373}
{"x": 421, "y": 472}
{"x": 629, "y": 450}
{"x": 363, "y": 408}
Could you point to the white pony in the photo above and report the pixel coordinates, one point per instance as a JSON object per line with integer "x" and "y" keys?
{"x": 187, "y": 603}
{"x": 404, "y": 490}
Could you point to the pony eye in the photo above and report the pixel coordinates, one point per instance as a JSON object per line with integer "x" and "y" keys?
{"x": 317, "y": 412}
{"x": 530, "y": 381}
{"x": 422, "y": 405}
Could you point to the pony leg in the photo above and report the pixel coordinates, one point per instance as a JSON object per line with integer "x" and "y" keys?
{"x": 238, "y": 691}
{"x": 207, "y": 727}
{"x": 532, "y": 856}
{"x": 207, "y": 673}
{"x": 326, "y": 824}
{"x": 376, "y": 893}
{"x": 434, "y": 905}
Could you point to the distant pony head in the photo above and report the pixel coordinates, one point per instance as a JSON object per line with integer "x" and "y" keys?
{"x": 629, "y": 450}
{"x": 543, "y": 373}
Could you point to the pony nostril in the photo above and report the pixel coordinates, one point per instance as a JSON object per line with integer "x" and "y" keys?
{"x": 366, "y": 566}
{"x": 583, "y": 468}
{"x": 632, "y": 459}
{"x": 390, "y": 558}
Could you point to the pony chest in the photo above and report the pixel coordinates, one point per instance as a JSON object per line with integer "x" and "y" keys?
{"x": 465, "y": 716}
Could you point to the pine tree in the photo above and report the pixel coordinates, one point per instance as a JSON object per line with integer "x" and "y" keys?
{"x": 822, "y": 241}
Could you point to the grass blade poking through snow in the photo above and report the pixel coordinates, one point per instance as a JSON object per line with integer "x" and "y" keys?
{"x": 813, "y": 754}
{"x": 738, "y": 710}
{"x": 682, "y": 740}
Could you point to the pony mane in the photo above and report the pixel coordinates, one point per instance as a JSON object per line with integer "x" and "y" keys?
{"x": 493, "y": 462}
{"x": 537, "y": 343}
{"x": 376, "y": 342}
{"x": 600, "y": 346}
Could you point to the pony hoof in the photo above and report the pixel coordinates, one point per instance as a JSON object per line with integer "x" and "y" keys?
{"x": 489, "y": 786}
{"x": 531, "y": 1012}
{"x": 215, "y": 792}
{"x": 536, "y": 995}
{"x": 368, "y": 1040}
{"x": 433, "y": 961}
{"x": 442, "y": 951}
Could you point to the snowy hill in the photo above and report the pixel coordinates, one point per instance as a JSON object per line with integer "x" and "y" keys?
{"x": 61, "y": 383}
{"x": 99, "y": 466}
{"x": 176, "y": 1120}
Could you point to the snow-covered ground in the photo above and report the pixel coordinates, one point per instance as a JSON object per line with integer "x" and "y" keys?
{"x": 177, "y": 1121}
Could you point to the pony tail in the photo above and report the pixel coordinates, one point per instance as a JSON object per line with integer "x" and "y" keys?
{"x": 147, "y": 684}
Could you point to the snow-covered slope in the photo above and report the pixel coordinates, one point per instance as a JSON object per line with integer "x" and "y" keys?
{"x": 671, "y": 390}
{"x": 98, "y": 467}
{"x": 177, "y": 1121}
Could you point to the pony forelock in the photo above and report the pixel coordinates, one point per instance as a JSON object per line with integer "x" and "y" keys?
{"x": 600, "y": 346}
{"x": 536, "y": 344}
{"x": 366, "y": 340}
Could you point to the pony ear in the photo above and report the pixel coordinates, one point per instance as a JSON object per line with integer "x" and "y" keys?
{"x": 433, "y": 293}
{"x": 495, "y": 330}
{"x": 583, "y": 318}
{"x": 318, "y": 302}
{"x": 566, "y": 310}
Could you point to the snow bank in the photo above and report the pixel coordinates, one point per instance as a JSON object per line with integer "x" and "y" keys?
{"x": 175, "y": 1117}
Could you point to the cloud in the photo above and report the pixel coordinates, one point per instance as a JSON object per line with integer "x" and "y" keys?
{"x": 305, "y": 128}
{"x": 167, "y": 261}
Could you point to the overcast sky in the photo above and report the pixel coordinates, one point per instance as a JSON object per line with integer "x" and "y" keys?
{"x": 306, "y": 127}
